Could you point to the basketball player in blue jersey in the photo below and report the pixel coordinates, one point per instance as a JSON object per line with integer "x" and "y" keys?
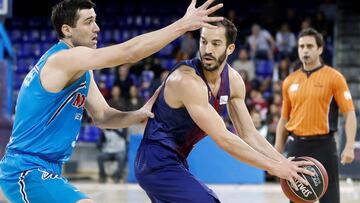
{"x": 55, "y": 92}
{"x": 187, "y": 109}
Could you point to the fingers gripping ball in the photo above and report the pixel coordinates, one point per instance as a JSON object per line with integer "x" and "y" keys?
{"x": 317, "y": 184}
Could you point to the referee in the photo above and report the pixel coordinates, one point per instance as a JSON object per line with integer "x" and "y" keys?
{"x": 311, "y": 96}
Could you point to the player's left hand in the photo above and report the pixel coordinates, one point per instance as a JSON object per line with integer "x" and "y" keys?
{"x": 347, "y": 155}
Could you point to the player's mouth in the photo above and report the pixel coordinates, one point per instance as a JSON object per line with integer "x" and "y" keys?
{"x": 208, "y": 59}
{"x": 94, "y": 39}
{"x": 306, "y": 57}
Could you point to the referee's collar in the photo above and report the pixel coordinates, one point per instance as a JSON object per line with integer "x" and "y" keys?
{"x": 309, "y": 72}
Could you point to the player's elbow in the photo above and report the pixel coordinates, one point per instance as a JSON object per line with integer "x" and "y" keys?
{"x": 99, "y": 123}
{"x": 99, "y": 120}
{"x": 223, "y": 143}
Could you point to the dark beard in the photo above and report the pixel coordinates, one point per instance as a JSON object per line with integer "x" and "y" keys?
{"x": 219, "y": 61}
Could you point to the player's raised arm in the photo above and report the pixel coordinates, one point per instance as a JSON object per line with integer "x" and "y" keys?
{"x": 85, "y": 58}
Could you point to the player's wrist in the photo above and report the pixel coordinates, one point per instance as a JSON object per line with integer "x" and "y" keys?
{"x": 181, "y": 26}
{"x": 271, "y": 166}
{"x": 350, "y": 146}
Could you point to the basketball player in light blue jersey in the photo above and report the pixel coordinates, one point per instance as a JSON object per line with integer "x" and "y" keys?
{"x": 55, "y": 92}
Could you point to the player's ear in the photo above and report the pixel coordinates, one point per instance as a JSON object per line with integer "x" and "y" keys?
{"x": 66, "y": 30}
{"x": 321, "y": 49}
{"x": 230, "y": 49}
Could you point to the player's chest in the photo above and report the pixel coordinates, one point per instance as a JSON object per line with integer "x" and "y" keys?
{"x": 309, "y": 88}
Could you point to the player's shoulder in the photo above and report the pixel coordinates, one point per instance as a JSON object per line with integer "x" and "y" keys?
{"x": 235, "y": 76}
{"x": 183, "y": 76}
{"x": 293, "y": 76}
{"x": 237, "y": 84}
{"x": 331, "y": 71}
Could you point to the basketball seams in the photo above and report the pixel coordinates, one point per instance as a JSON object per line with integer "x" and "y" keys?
{"x": 322, "y": 178}
{"x": 290, "y": 191}
{"x": 312, "y": 189}
{"x": 295, "y": 193}
{"x": 322, "y": 174}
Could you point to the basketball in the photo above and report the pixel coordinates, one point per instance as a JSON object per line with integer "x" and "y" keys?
{"x": 317, "y": 184}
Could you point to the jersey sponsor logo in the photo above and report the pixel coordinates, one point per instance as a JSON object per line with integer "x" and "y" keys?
{"x": 30, "y": 76}
{"x": 223, "y": 99}
{"x": 78, "y": 116}
{"x": 347, "y": 95}
{"x": 294, "y": 87}
{"x": 318, "y": 85}
{"x": 79, "y": 100}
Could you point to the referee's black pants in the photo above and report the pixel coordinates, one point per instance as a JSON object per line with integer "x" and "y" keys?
{"x": 324, "y": 150}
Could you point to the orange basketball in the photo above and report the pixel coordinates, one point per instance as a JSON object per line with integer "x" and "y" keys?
{"x": 317, "y": 184}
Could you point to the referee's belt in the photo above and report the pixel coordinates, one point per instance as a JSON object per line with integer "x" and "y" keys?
{"x": 313, "y": 137}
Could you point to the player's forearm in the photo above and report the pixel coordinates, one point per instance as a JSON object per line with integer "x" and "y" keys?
{"x": 131, "y": 51}
{"x": 260, "y": 144}
{"x": 114, "y": 119}
{"x": 350, "y": 129}
{"x": 281, "y": 135}
{"x": 147, "y": 44}
{"x": 240, "y": 150}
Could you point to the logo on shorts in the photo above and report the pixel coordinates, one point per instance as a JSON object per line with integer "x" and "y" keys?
{"x": 46, "y": 175}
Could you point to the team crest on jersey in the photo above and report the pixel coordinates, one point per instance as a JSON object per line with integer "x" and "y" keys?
{"x": 79, "y": 100}
{"x": 223, "y": 99}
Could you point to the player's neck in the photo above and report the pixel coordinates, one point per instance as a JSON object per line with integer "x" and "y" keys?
{"x": 67, "y": 42}
{"x": 312, "y": 66}
{"x": 213, "y": 76}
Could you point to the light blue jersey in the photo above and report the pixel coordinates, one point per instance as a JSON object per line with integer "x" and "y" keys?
{"x": 46, "y": 124}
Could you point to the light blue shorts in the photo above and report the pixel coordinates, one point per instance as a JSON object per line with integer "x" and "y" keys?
{"x": 40, "y": 186}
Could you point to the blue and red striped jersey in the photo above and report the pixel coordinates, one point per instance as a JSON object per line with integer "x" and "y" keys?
{"x": 174, "y": 128}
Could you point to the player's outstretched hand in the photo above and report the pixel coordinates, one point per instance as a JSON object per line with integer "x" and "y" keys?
{"x": 289, "y": 169}
{"x": 196, "y": 18}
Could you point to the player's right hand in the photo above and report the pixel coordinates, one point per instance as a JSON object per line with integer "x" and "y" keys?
{"x": 196, "y": 18}
{"x": 288, "y": 169}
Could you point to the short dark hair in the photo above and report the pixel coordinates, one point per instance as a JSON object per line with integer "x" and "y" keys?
{"x": 230, "y": 30}
{"x": 312, "y": 32}
{"x": 65, "y": 12}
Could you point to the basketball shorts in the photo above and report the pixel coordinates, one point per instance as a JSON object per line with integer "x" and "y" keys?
{"x": 40, "y": 186}
{"x": 165, "y": 177}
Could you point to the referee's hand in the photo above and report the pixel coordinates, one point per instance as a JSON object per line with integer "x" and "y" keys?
{"x": 347, "y": 155}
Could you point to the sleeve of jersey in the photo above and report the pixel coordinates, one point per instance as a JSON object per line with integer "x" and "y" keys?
{"x": 342, "y": 95}
{"x": 286, "y": 105}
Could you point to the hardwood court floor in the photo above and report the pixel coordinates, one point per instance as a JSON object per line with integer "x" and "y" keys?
{"x": 266, "y": 193}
